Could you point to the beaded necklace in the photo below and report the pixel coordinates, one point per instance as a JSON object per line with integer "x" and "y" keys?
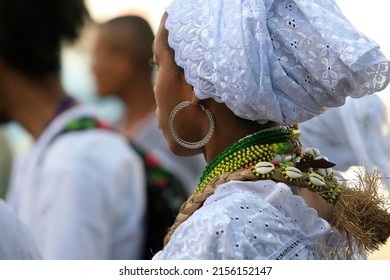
{"x": 260, "y": 146}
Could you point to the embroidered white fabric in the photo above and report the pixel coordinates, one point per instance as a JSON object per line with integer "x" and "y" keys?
{"x": 279, "y": 60}
{"x": 252, "y": 220}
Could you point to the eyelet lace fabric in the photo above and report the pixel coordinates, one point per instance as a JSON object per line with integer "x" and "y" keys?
{"x": 285, "y": 61}
{"x": 252, "y": 220}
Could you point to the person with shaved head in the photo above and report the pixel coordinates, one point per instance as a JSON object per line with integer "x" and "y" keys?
{"x": 122, "y": 68}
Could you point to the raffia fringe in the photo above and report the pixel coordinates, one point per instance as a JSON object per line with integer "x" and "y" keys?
{"x": 362, "y": 214}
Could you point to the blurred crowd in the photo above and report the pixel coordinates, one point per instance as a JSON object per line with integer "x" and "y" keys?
{"x": 84, "y": 160}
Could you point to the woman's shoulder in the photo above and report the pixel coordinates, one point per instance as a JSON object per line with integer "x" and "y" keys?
{"x": 263, "y": 206}
{"x": 247, "y": 220}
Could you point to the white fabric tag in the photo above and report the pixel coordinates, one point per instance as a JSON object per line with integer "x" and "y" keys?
{"x": 288, "y": 249}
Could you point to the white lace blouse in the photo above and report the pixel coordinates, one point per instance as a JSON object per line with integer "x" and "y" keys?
{"x": 252, "y": 220}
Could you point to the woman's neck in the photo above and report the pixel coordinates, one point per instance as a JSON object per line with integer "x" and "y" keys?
{"x": 231, "y": 133}
{"x": 34, "y": 103}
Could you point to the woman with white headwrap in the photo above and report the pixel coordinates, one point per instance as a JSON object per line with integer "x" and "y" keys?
{"x": 234, "y": 78}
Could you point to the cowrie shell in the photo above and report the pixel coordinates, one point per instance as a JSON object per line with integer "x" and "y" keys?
{"x": 293, "y": 173}
{"x": 321, "y": 157}
{"x": 326, "y": 172}
{"x": 316, "y": 179}
{"x": 264, "y": 167}
{"x": 312, "y": 152}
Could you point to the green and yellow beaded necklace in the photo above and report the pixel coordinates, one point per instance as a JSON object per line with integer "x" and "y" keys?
{"x": 260, "y": 146}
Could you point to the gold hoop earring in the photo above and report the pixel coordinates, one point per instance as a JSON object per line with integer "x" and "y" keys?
{"x": 186, "y": 144}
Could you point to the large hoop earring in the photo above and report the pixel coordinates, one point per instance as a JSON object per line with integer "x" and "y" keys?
{"x": 186, "y": 144}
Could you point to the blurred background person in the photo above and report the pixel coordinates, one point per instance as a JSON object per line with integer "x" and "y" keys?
{"x": 5, "y": 163}
{"x": 355, "y": 136}
{"x": 80, "y": 190}
{"x": 121, "y": 66}
{"x": 16, "y": 242}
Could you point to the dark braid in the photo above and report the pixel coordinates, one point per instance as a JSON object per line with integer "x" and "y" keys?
{"x": 195, "y": 201}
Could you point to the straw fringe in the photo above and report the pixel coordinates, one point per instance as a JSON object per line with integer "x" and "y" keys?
{"x": 362, "y": 214}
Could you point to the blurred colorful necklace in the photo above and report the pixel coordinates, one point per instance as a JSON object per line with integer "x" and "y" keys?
{"x": 66, "y": 103}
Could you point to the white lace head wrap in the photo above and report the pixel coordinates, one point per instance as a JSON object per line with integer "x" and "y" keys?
{"x": 279, "y": 60}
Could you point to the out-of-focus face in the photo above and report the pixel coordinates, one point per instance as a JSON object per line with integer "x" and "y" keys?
{"x": 170, "y": 89}
{"x": 107, "y": 64}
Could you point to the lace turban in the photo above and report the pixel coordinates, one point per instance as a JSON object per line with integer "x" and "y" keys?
{"x": 284, "y": 61}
